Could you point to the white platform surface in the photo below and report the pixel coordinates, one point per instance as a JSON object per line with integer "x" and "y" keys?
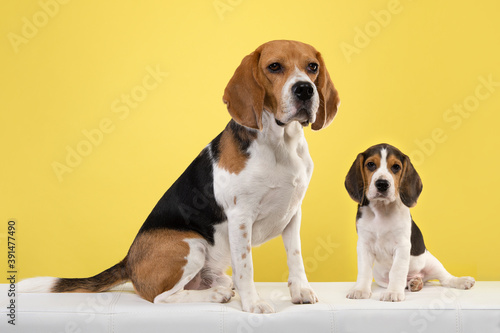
{"x": 434, "y": 309}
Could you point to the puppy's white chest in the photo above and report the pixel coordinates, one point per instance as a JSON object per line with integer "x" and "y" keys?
{"x": 381, "y": 235}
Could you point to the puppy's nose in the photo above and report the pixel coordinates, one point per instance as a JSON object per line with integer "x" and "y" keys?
{"x": 382, "y": 185}
{"x": 303, "y": 90}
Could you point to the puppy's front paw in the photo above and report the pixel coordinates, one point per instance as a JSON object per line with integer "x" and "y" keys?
{"x": 302, "y": 293}
{"x": 259, "y": 306}
{"x": 392, "y": 296}
{"x": 359, "y": 294}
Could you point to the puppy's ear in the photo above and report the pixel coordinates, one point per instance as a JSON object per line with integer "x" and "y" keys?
{"x": 355, "y": 181}
{"x": 244, "y": 95}
{"x": 328, "y": 97}
{"x": 411, "y": 184}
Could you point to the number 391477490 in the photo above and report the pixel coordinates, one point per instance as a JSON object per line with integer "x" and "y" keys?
{"x": 11, "y": 246}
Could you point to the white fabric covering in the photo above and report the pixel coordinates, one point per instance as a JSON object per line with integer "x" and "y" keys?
{"x": 434, "y": 309}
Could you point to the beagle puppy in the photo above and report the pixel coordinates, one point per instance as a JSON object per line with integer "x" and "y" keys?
{"x": 244, "y": 188}
{"x": 391, "y": 247}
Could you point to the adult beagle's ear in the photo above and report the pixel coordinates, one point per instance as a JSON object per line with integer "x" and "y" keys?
{"x": 411, "y": 184}
{"x": 329, "y": 100}
{"x": 355, "y": 181}
{"x": 244, "y": 95}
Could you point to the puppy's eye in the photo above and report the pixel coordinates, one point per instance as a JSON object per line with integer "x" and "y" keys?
{"x": 371, "y": 166}
{"x": 313, "y": 67}
{"x": 275, "y": 67}
{"x": 395, "y": 168}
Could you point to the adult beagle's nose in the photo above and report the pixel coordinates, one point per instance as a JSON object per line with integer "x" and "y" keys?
{"x": 382, "y": 185}
{"x": 303, "y": 90}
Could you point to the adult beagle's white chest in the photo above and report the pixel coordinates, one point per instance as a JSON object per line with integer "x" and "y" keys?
{"x": 269, "y": 191}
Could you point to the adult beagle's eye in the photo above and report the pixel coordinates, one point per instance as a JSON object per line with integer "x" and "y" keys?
{"x": 395, "y": 168}
{"x": 371, "y": 166}
{"x": 275, "y": 67}
{"x": 313, "y": 67}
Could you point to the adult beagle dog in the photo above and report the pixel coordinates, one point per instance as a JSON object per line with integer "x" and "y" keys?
{"x": 391, "y": 247}
{"x": 244, "y": 188}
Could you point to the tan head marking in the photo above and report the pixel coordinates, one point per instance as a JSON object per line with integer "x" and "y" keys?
{"x": 405, "y": 182}
{"x": 258, "y": 83}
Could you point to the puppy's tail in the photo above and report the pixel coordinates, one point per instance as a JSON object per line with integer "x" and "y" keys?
{"x": 101, "y": 282}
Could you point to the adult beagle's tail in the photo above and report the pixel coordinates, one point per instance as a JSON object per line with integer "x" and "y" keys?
{"x": 101, "y": 282}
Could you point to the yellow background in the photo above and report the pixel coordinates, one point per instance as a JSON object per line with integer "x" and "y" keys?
{"x": 397, "y": 86}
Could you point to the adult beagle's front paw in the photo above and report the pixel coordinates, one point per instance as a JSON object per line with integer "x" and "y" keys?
{"x": 392, "y": 296}
{"x": 302, "y": 293}
{"x": 359, "y": 293}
